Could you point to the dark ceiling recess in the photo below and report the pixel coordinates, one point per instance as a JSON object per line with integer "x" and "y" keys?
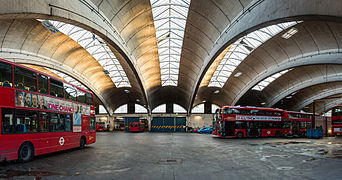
{"x": 251, "y": 98}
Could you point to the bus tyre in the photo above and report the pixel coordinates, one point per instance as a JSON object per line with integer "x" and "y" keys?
{"x": 239, "y": 135}
{"x": 82, "y": 142}
{"x": 25, "y": 152}
{"x": 277, "y": 134}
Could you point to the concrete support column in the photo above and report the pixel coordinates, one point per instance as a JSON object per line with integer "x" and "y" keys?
{"x": 313, "y": 115}
{"x": 207, "y": 108}
{"x": 169, "y": 108}
{"x": 131, "y": 108}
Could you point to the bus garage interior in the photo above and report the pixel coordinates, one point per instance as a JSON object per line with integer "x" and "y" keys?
{"x": 188, "y": 89}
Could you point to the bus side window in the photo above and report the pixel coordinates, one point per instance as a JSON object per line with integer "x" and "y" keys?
{"x": 81, "y": 97}
{"x": 70, "y": 92}
{"x": 90, "y": 99}
{"x": 6, "y": 74}
{"x": 25, "y": 79}
{"x": 53, "y": 118}
{"x": 235, "y": 111}
{"x": 43, "y": 122}
{"x": 92, "y": 125}
{"x": 26, "y": 121}
{"x": 67, "y": 122}
{"x": 56, "y": 88}
{"x": 43, "y": 84}
{"x": 7, "y": 124}
{"x": 61, "y": 122}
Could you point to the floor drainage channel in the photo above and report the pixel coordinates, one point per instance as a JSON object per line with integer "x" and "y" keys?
{"x": 170, "y": 161}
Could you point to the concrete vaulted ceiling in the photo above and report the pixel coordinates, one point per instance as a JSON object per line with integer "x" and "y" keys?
{"x": 28, "y": 42}
{"x": 258, "y": 14}
{"x": 305, "y": 97}
{"x": 128, "y": 29}
{"x": 316, "y": 42}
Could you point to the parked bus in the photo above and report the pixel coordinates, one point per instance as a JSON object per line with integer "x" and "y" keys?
{"x": 249, "y": 122}
{"x": 136, "y": 127}
{"x": 298, "y": 124}
{"x": 101, "y": 126}
{"x": 41, "y": 114}
{"x": 336, "y": 120}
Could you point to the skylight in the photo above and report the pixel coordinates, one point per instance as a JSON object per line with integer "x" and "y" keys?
{"x": 97, "y": 48}
{"x": 267, "y": 81}
{"x": 169, "y": 20}
{"x": 240, "y": 49}
{"x": 290, "y": 33}
{"x": 67, "y": 78}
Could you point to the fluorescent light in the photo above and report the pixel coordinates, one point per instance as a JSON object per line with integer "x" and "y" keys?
{"x": 238, "y": 74}
{"x": 290, "y": 33}
{"x": 263, "y": 103}
{"x": 217, "y": 91}
{"x": 288, "y": 97}
{"x": 204, "y": 101}
{"x": 126, "y": 91}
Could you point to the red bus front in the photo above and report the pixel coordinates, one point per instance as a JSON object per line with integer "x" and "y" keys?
{"x": 136, "y": 127}
{"x": 100, "y": 126}
{"x": 249, "y": 122}
{"x": 336, "y": 120}
{"x": 217, "y": 117}
{"x": 40, "y": 114}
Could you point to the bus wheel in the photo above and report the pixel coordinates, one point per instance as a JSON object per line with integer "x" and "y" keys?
{"x": 25, "y": 152}
{"x": 277, "y": 134}
{"x": 82, "y": 142}
{"x": 239, "y": 135}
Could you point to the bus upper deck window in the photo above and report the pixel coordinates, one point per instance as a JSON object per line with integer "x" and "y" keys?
{"x": 43, "y": 84}
{"x": 5, "y": 74}
{"x": 25, "y": 79}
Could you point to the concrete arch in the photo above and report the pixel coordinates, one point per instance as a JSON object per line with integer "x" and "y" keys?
{"x": 328, "y": 105}
{"x": 332, "y": 57}
{"x": 300, "y": 78}
{"x": 329, "y": 91}
{"x": 262, "y": 13}
{"x": 278, "y": 54}
{"x": 27, "y": 40}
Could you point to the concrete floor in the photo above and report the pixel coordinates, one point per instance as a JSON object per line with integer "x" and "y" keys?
{"x": 186, "y": 156}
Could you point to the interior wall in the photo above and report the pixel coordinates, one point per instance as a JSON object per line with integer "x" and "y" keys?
{"x": 200, "y": 120}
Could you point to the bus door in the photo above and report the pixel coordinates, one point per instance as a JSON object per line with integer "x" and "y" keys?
{"x": 230, "y": 128}
{"x": 253, "y": 128}
{"x": 296, "y": 127}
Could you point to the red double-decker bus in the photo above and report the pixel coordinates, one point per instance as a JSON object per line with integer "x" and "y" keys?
{"x": 41, "y": 114}
{"x": 336, "y": 120}
{"x": 101, "y": 126}
{"x": 136, "y": 127}
{"x": 298, "y": 124}
{"x": 241, "y": 122}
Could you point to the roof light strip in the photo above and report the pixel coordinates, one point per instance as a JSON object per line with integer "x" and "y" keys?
{"x": 261, "y": 85}
{"x": 241, "y": 48}
{"x": 98, "y": 49}
{"x": 170, "y": 20}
